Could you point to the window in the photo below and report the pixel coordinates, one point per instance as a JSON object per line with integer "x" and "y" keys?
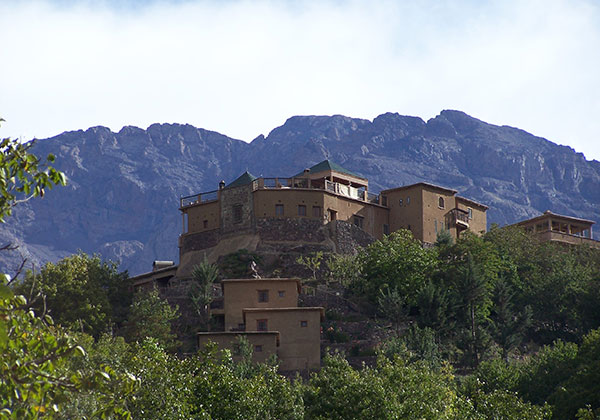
{"x": 332, "y": 215}
{"x": 257, "y": 348}
{"x": 281, "y": 293}
{"x": 205, "y": 224}
{"x": 303, "y": 324}
{"x": 261, "y": 325}
{"x": 470, "y": 211}
{"x": 407, "y": 201}
{"x": 435, "y": 224}
{"x": 279, "y": 209}
{"x": 358, "y": 221}
{"x": 441, "y": 202}
{"x": 386, "y": 229}
{"x": 237, "y": 212}
{"x": 263, "y": 295}
{"x": 301, "y": 210}
{"x": 400, "y": 202}
{"x": 317, "y": 212}
{"x": 384, "y": 200}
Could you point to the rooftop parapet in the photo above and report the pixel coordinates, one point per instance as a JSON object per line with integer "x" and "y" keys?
{"x": 356, "y": 192}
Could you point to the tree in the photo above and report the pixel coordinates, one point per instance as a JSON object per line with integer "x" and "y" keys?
{"x": 23, "y": 175}
{"x": 396, "y": 261}
{"x": 222, "y": 390}
{"x": 508, "y": 328}
{"x": 33, "y": 351}
{"x": 393, "y": 306}
{"x": 311, "y": 262}
{"x": 151, "y": 316}
{"x": 204, "y": 275}
{"x": 343, "y": 269}
{"x": 473, "y": 289}
{"x": 35, "y": 381}
{"x": 81, "y": 292}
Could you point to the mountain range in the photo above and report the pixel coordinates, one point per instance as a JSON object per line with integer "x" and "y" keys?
{"x": 123, "y": 192}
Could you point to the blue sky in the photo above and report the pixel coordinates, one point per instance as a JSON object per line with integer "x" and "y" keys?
{"x": 243, "y": 67}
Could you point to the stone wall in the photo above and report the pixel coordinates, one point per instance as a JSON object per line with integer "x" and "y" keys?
{"x": 290, "y": 229}
{"x": 237, "y": 196}
{"x": 199, "y": 241}
{"x": 349, "y": 238}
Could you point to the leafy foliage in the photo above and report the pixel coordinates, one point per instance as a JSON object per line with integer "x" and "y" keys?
{"x": 397, "y": 261}
{"x": 204, "y": 275}
{"x": 23, "y": 175}
{"x": 151, "y": 316}
{"x": 81, "y": 292}
{"x": 34, "y": 379}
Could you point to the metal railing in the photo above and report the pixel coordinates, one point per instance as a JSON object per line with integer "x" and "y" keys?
{"x": 198, "y": 198}
{"x": 304, "y": 183}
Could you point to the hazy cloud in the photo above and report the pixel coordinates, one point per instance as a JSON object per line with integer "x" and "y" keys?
{"x": 243, "y": 67}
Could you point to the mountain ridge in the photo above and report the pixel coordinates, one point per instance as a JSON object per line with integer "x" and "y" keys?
{"x": 124, "y": 186}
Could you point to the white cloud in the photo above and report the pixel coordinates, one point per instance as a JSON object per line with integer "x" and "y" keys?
{"x": 243, "y": 67}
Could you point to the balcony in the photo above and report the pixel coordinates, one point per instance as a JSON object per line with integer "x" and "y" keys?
{"x": 204, "y": 197}
{"x": 459, "y": 218}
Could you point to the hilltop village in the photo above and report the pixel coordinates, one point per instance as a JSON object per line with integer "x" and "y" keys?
{"x": 324, "y": 209}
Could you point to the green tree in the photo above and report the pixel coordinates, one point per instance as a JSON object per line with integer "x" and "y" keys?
{"x": 204, "y": 275}
{"x": 221, "y": 390}
{"x": 34, "y": 355}
{"x": 392, "y": 305}
{"x": 508, "y": 327}
{"x": 23, "y": 175}
{"x": 343, "y": 269}
{"x": 311, "y": 262}
{"x": 34, "y": 352}
{"x": 151, "y": 316}
{"x": 81, "y": 292}
{"x": 472, "y": 287}
{"x": 396, "y": 261}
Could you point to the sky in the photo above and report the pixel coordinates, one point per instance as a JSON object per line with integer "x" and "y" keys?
{"x": 243, "y": 67}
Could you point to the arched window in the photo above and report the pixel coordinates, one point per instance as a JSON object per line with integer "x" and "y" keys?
{"x": 441, "y": 202}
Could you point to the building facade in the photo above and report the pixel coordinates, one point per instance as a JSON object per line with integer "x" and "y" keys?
{"x": 266, "y": 313}
{"x": 325, "y": 193}
{"x": 554, "y": 227}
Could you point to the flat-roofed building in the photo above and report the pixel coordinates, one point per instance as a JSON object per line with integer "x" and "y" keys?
{"x": 563, "y": 229}
{"x": 243, "y": 213}
{"x": 239, "y": 294}
{"x": 300, "y": 333}
{"x": 426, "y": 209}
{"x": 264, "y": 309}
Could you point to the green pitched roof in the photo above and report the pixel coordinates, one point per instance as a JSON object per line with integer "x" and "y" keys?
{"x": 243, "y": 179}
{"x": 328, "y": 165}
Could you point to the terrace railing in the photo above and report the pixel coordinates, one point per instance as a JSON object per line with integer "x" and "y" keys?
{"x": 198, "y": 198}
{"x": 305, "y": 183}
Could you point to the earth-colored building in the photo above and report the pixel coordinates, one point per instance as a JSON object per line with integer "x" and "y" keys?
{"x": 562, "y": 229}
{"x": 238, "y": 215}
{"x": 266, "y": 313}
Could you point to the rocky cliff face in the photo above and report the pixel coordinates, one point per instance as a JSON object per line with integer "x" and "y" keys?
{"x": 124, "y": 187}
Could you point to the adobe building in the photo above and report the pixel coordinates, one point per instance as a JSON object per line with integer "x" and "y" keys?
{"x": 554, "y": 227}
{"x": 266, "y": 313}
{"x": 326, "y": 206}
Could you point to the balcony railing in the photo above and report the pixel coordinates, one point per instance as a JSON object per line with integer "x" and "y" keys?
{"x": 460, "y": 216}
{"x": 198, "y": 198}
{"x": 285, "y": 183}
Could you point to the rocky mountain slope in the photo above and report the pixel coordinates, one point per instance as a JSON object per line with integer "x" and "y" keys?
{"x": 124, "y": 187}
